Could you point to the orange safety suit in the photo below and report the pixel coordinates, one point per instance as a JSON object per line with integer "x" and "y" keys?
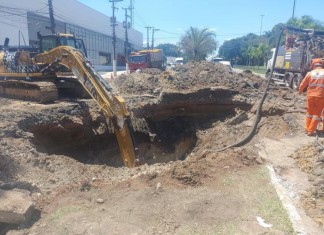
{"x": 314, "y": 81}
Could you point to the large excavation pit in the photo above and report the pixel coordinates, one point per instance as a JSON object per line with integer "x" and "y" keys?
{"x": 164, "y": 131}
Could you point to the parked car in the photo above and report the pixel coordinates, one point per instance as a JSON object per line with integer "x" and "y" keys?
{"x": 227, "y": 63}
{"x": 216, "y": 59}
{"x": 220, "y": 60}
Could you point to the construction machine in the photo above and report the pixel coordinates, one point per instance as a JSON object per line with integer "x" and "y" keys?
{"x": 22, "y": 78}
{"x": 37, "y": 75}
{"x": 294, "y": 57}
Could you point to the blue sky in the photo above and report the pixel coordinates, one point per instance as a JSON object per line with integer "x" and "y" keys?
{"x": 227, "y": 18}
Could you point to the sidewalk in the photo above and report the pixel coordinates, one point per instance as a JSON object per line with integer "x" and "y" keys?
{"x": 108, "y": 75}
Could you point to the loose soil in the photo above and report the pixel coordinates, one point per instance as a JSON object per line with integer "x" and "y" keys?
{"x": 65, "y": 155}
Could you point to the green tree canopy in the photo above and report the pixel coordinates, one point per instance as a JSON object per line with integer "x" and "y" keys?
{"x": 239, "y": 50}
{"x": 169, "y": 49}
{"x": 198, "y": 43}
{"x": 306, "y": 22}
{"x": 253, "y": 50}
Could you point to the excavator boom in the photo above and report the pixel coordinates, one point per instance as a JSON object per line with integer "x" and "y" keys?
{"x": 111, "y": 104}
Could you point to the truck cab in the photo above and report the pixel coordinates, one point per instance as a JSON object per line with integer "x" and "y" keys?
{"x": 139, "y": 61}
{"x": 147, "y": 59}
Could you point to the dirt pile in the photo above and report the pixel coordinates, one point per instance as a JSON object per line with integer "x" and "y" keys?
{"x": 310, "y": 159}
{"x": 191, "y": 77}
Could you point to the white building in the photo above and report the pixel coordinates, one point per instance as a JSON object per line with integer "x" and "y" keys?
{"x": 20, "y": 20}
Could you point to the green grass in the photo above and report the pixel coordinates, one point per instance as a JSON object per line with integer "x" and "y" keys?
{"x": 255, "y": 69}
{"x": 264, "y": 200}
{"x": 256, "y": 195}
{"x": 259, "y": 198}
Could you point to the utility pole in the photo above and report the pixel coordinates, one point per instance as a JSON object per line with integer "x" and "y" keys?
{"x": 131, "y": 8}
{"x": 260, "y": 36}
{"x": 126, "y": 26}
{"x": 293, "y": 13}
{"x": 153, "y": 31}
{"x": 148, "y": 36}
{"x": 113, "y": 24}
{"x": 51, "y": 13}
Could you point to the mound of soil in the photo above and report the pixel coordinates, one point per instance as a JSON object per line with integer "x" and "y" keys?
{"x": 190, "y": 76}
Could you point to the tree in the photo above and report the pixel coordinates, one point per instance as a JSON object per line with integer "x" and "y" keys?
{"x": 253, "y": 49}
{"x": 305, "y": 22}
{"x": 169, "y": 49}
{"x": 198, "y": 43}
{"x": 230, "y": 49}
{"x": 239, "y": 49}
{"x": 273, "y": 35}
{"x": 262, "y": 52}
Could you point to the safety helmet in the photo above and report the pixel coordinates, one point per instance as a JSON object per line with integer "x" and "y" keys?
{"x": 317, "y": 62}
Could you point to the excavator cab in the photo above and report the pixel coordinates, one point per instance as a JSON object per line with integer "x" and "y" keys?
{"x": 48, "y": 42}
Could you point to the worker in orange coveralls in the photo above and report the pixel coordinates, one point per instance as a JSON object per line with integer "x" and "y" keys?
{"x": 314, "y": 81}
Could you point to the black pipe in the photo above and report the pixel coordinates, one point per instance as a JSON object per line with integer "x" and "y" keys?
{"x": 259, "y": 109}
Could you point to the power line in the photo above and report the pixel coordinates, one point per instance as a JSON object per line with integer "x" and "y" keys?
{"x": 15, "y": 11}
{"x": 18, "y": 11}
{"x": 170, "y": 32}
{"x": 22, "y": 13}
{"x": 13, "y": 25}
{"x": 138, "y": 15}
{"x": 140, "y": 25}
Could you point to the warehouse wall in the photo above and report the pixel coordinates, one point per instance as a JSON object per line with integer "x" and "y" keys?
{"x": 20, "y": 20}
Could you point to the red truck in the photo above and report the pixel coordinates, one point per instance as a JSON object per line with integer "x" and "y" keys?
{"x": 147, "y": 59}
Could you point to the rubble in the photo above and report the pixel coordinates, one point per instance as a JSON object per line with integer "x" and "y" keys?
{"x": 15, "y": 207}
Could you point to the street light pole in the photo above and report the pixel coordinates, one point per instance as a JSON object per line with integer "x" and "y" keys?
{"x": 261, "y": 24}
{"x": 148, "y": 36}
{"x": 293, "y": 13}
{"x": 126, "y": 26}
{"x": 153, "y": 31}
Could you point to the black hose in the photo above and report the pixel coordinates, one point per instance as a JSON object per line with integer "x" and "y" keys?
{"x": 319, "y": 143}
{"x": 259, "y": 109}
{"x": 317, "y": 134}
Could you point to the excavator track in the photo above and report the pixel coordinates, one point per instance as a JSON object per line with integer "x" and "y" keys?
{"x": 41, "y": 92}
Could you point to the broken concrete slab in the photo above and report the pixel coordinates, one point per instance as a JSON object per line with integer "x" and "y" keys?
{"x": 15, "y": 207}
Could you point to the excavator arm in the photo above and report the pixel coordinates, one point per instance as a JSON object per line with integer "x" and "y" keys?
{"x": 111, "y": 104}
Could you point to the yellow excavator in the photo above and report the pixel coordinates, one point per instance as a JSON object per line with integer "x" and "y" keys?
{"x": 30, "y": 74}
